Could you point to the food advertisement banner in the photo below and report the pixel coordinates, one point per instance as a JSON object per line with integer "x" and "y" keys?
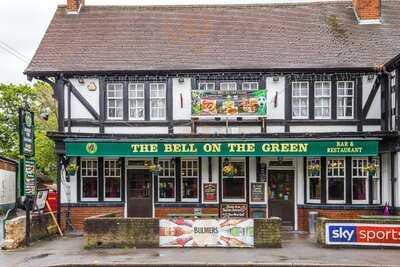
{"x": 206, "y": 233}
{"x": 362, "y": 234}
{"x": 229, "y": 103}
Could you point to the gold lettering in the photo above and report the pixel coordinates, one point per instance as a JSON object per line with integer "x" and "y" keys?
{"x": 294, "y": 147}
{"x": 212, "y": 147}
{"x": 285, "y": 147}
{"x": 266, "y": 147}
{"x": 168, "y": 148}
{"x": 231, "y": 147}
{"x": 251, "y": 147}
{"x": 153, "y": 148}
{"x": 275, "y": 148}
{"x": 303, "y": 147}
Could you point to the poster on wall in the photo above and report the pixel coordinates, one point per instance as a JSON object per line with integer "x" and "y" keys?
{"x": 362, "y": 234}
{"x": 210, "y": 192}
{"x": 41, "y": 198}
{"x": 229, "y": 103}
{"x": 257, "y": 192}
{"x": 233, "y": 210}
{"x": 206, "y": 233}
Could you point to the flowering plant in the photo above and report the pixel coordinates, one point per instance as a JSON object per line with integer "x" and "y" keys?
{"x": 372, "y": 168}
{"x": 314, "y": 167}
{"x": 72, "y": 168}
{"x": 153, "y": 168}
{"x": 229, "y": 170}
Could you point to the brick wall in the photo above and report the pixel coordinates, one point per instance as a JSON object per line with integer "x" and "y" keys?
{"x": 7, "y": 166}
{"x": 367, "y": 9}
{"x": 73, "y": 5}
{"x": 79, "y": 214}
{"x": 302, "y": 215}
{"x": 267, "y": 233}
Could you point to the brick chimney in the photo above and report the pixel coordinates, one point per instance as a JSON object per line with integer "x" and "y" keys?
{"x": 74, "y": 6}
{"x": 367, "y": 11}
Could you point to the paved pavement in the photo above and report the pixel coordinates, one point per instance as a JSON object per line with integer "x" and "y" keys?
{"x": 298, "y": 249}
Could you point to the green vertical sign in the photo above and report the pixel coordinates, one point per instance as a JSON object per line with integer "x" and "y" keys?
{"x": 29, "y": 177}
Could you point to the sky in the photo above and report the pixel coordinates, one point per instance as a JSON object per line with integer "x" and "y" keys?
{"x": 24, "y": 22}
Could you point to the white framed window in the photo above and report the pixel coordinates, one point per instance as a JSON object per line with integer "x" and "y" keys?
{"x": 207, "y": 86}
{"x": 234, "y": 187}
{"x": 300, "y": 100}
{"x": 115, "y": 100}
{"x": 190, "y": 180}
{"x": 376, "y": 182}
{"x": 359, "y": 181}
{"x": 89, "y": 179}
{"x": 166, "y": 180}
{"x": 336, "y": 186}
{"x": 157, "y": 101}
{"x": 112, "y": 180}
{"x": 227, "y": 86}
{"x": 345, "y": 99}
{"x": 136, "y": 101}
{"x": 249, "y": 86}
{"x": 314, "y": 180}
{"x": 322, "y": 99}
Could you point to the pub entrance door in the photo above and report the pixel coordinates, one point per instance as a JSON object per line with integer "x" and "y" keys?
{"x": 281, "y": 196}
{"x": 139, "y": 193}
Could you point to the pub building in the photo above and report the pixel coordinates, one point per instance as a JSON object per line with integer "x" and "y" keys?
{"x": 225, "y": 110}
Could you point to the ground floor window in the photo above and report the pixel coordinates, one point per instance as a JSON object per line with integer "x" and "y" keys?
{"x": 234, "y": 180}
{"x": 336, "y": 180}
{"x": 360, "y": 180}
{"x": 314, "y": 180}
{"x": 190, "y": 179}
{"x": 112, "y": 179}
{"x": 89, "y": 179}
{"x": 166, "y": 180}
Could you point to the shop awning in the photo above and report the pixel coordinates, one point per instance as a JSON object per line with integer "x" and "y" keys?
{"x": 221, "y": 148}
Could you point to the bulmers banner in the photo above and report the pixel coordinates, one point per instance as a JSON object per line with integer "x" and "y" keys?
{"x": 206, "y": 233}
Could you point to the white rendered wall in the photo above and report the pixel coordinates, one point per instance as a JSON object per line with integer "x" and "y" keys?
{"x": 275, "y": 129}
{"x": 182, "y": 130}
{"x": 70, "y": 188}
{"x": 182, "y": 99}
{"x": 375, "y": 109}
{"x": 321, "y": 129}
{"x": 7, "y": 187}
{"x": 274, "y": 88}
{"x": 136, "y": 130}
{"x": 300, "y": 180}
{"x": 83, "y": 129}
{"x": 386, "y": 176}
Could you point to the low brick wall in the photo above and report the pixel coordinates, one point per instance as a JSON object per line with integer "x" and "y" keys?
{"x": 321, "y": 222}
{"x": 41, "y": 227}
{"x": 111, "y": 231}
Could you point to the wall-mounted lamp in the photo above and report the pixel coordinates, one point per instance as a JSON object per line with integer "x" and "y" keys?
{"x": 181, "y": 80}
{"x": 81, "y": 81}
{"x": 276, "y": 78}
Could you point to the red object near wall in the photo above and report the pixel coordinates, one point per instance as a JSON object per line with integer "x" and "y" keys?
{"x": 52, "y": 199}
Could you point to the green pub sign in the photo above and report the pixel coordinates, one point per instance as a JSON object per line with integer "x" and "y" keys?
{"x": 29, "y": 177}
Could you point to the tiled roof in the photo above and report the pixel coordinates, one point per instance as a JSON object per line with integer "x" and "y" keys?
{"x": 131, "y": 38}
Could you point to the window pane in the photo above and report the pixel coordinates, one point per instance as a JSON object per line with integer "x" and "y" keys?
{"x": 189, "y": 187}
{"x": 359, "y": 188}
{"x": 112, "y": 188}
{"x": 167, "y": 187}
{"x": 336, "y": 188}
{"x": 89, "y": 187}
{"x": 315, "y": 188}
{"x": 234, "y": 188}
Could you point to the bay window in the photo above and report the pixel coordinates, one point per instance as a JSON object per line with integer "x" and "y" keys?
{"x": 157, "y": 101}
{"x": 300, "y": 100}
{"x": 336, "y": 180}
{"x": 234, "y": 185}
{"x": 166, "y": 180}
{"x": 136, "y": 101}
{"x": 190, "y": 179}
{"x": 314, "y": 180}
{"x": 114, "y": 100}
{"x": 89, "y": 179}
{"x": 345, "y": 99}
{"x": 322, "y": 100}
{"x": 112, "y": 180}
{"x": 360, "y": 181}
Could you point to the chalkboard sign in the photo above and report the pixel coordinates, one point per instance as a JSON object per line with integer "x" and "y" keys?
{"x": 262, "y": 174}
{"x": 257, "y": 192}
{"x": 210, "y": 192}
{"x": 234, "y": 210}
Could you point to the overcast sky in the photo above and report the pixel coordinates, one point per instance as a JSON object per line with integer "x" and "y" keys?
{"x": 24, "y": 22}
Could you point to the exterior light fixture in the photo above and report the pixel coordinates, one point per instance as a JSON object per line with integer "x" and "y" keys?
{"x": 276, "y": 78}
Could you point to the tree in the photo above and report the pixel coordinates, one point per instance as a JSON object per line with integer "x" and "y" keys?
{"x": 39, "y": 98}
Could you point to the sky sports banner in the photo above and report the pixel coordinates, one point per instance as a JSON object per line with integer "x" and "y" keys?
{"x": 206, "y": 233}
{"x": 362, "y": 234}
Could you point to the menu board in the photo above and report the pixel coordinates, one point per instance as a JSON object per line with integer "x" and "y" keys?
{"x": 210, "y": 192}
{"x": 233, "y": 210}
{"x": 257, "y": 192}
{"x": 262, "y": 174}
{"x": 229, "y": 103}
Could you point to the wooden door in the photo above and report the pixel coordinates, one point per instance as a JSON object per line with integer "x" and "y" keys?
{"x": 139, "y": 190}
{"x": 281, "y": 195}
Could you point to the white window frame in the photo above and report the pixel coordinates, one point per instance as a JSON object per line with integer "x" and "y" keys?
{"x": 157, "y": 98}
{"x": 345, "y": 96}
{"x": 250, "y": 84}
{"x": 377, "y": 177}
{"x": 309, "y": 177}
{"x": 364, "y": 175}
{"x": 90, "y": 177}
{"x": 116, "y": 160}
{"x": 301, "y": 97}
{"x": 228, "y": 85}
{"x": 116, "y": 99}
{"x": 135, "y": 99}
{"x": 169, "y": 176}
{"x": 190, "y": 177}
{"x": 207, "y": 85}
{"x": 236, "y": 176}
{"x": 322, "y": 97}
{"x": 336, "y": 176}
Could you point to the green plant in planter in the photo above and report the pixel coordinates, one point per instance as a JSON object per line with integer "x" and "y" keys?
{"x": 72, "y": 169}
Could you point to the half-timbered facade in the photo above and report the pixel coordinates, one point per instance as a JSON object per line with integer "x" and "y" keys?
{"x": 255, "y": 111}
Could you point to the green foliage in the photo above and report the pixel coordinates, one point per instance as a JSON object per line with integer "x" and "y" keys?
{"x": 39, "y": 99}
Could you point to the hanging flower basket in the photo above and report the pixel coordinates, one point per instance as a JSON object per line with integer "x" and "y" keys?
{"x": 153, "y": 168}
{"x": 372, "y": 168}
{"x": 314, "y": 168}
{"x": 72, "y": 168}
{"x": 229, "y": 170}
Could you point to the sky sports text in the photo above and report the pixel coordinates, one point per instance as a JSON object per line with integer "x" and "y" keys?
{"x": 367, "y": 234}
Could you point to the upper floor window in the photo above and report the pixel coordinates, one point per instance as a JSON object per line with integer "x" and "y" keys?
{"x": 114, "y": 100}
{"x": 207, "y": 86}
{"x": 136, "y": 101}
{"x": 190, "y": 179}
{"x": 227, "y": 86}
{"x": 322, "y": 104}
{"x": 157, "y": 101}
{"x": 89, "y": 179}
{"x": 249, "y": 86}
{"x": 345, "y": 95}
{"x": 300, "y": 100}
